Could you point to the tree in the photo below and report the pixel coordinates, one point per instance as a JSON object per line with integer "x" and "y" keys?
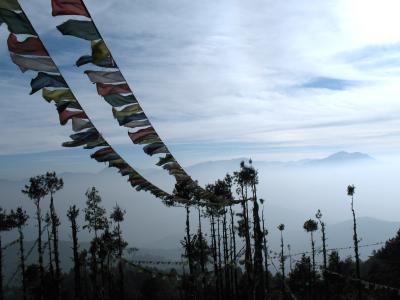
{"x": 300, "y": 277}
{"x": 281, "y": 228}
{"x": 318, "y": 215}
{"x": 7, "y": 223}
{"x": 118, "y": 217}
{"x": 72, "y": 215}
{"x": 96, "y": 221}
{"x": 350, "y": 193}
{"x": 53, "y": 184}
{"x": 310, "y": 226}
{"x": 36, "y": 191}
{"x": 20, "y": 218}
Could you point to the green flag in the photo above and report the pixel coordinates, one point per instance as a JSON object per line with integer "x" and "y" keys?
{"x": 10, "y": 4}
{"x": 116, "y": 100}
{"x": 80, "y": 29}
{"x": 17, "y": 22}
{"x": 56, "y": 95}
{"x": 127, "y": 111}
{"x": 100, "y": 52}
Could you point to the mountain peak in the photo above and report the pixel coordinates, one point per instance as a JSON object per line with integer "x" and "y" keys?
{"x": 347, "y": 156}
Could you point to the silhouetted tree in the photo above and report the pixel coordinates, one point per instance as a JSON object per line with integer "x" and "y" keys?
{"x": 36, "y": 191}
{"x": 53, "y": 184}
{"x": 265, "y": 248}
{"x": 310, "y": 226}
{"x": 118, "y": 217}
{"x": 7, "y": 223}
{"x": 318, "y": 215}
{"x": 72, "y": 215}
{"x": 20, "y": 218}
{"x": 300, "y": 277}
{"x": 281, "y": 228}
{"x": 96, "y": 221}
{"x": 350, "y": 193}
{"x": 243, "y": 179}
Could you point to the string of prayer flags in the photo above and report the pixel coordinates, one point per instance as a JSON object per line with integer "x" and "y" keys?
{"x": 30, "y": 54}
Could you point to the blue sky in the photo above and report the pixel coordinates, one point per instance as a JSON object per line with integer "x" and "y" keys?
{"x": 272, "y": 80}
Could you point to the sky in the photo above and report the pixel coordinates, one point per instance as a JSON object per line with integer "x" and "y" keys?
{"x": 271, "y": 80}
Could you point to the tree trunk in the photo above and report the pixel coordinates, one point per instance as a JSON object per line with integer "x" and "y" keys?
{"x": 22, "y": 261}
{"x": 40, "y": 249}
{"x": 234, "y": 253}
{"x": 120, "y": 266}
{"x": 282, "y": 266}
{"x": 77, "y": 264}
{"x": 188, "y": 241}
{"x": 51, "y": 268}
{"x": 258, "y": 248}
{"x": 355, "y": 239}
{"x": 267, "y": 288}
{"x": 202, "y": 258}
{"x": 219, "y": 259}
{"x": 228, "y": 292}
{"x": 54, "y": 225}
{"x": 214, "y": 250}
{"x": 1, "y": 271}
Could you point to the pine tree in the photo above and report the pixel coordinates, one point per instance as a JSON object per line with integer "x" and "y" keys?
{"x": 52, "y": 185}
{"x": 311, "y": 226}
{"x": 96, "y": 221}
{"x": 281, "y": 228}
{"x": 117, "y": 217}
{"x": 350, "y": 193}
{"x": 36, "y": 191}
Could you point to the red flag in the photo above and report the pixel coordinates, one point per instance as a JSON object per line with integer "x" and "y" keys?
{"x": 29, "y": 46}
{"x": 141, "y": 133}
{"x": 108, "y": 89}
{"x": 67, "y": 115}
{"x": 68, "y": 7}
{"x": 102, "y": 152}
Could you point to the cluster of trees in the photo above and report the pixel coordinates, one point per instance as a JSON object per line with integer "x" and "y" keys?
{"x": 230, "y": 260}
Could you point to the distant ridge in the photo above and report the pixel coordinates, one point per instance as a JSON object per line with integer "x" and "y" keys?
{"x": 341, "y": 157}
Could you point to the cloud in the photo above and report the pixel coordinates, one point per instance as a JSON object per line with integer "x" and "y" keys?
{"x": 223, "y": 72}
{"x": 328, "y": 83}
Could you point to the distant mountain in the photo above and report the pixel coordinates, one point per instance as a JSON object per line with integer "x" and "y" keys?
{"x": 338, "y": 158}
